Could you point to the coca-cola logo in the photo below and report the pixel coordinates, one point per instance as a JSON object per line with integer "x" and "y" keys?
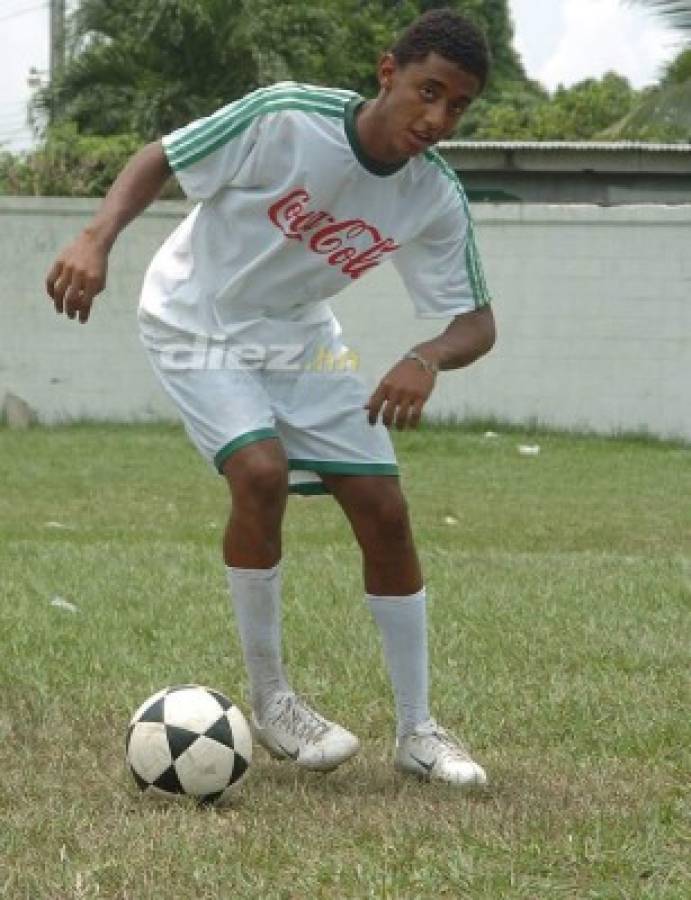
{"x": 329, "y": 237}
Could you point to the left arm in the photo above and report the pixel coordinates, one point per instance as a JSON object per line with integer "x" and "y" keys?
{"x": 404, "y": 390}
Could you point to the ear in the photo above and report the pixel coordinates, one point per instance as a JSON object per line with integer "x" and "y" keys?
{"x": 385, "y": 71}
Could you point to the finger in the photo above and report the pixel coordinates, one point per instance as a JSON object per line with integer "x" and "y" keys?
{"x": 52, "y": 277}
{"x": 373, "y": 405}
{"x": 74, "y": 296}
{"x": 402, "y": 412}
{"x": 415, "y": 414}
{"x": 60, "y": 289}
{"x": 389, "y": 412}
{"x": 85, "y": 311}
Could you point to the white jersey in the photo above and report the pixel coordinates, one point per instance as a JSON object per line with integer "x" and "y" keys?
{"x": 291, "y": 210}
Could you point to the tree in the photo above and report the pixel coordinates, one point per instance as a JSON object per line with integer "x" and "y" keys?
{"x": 575, "y": 113}
{"x": 676, "y": 13}
{"x": 146, "y": 66}
{"x": 664, "y": 112}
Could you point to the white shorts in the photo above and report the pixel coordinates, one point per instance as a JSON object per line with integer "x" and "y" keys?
{"x": 306, "y": 393}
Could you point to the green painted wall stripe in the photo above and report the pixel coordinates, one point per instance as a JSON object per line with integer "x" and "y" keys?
{"x": 250, "y": 437}
{"x": 472, "y": 258}
{"x": 223, "y": 127}
{"x": 336, "y": 467}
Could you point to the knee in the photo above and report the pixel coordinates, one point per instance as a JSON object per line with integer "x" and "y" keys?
{"x": 386, "y": 515}
{"x": 259, "y": 479}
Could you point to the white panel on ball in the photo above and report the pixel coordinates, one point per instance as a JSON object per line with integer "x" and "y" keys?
{"x": 192, "y": 708}
{"x": 148, "y": 752}
{"x": 205, "y": 767}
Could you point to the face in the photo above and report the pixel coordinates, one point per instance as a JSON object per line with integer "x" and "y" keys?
{"x": 423, "y": 102}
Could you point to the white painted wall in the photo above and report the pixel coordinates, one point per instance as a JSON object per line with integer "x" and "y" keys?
{"x": 593, "y": 308}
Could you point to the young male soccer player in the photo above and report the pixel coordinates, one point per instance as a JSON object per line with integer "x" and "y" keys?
{"x": 299, "y": 190}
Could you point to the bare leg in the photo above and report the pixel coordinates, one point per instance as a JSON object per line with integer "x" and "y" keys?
{"x": 378, "y": 514}
{"x": 258, "y": 479}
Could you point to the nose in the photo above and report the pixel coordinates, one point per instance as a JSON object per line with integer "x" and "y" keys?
{"x": 435, "y": 117}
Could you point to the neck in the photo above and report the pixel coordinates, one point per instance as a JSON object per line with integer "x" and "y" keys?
{"x": 371, "y": 130}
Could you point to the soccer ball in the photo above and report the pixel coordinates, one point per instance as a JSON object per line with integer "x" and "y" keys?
{"x": 189, "y": 740}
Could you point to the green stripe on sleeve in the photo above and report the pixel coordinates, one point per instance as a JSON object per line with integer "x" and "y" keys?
{"x": 205, "y": 137}
{"x": 205, "y": 148}
{"x": 259, "y": 96}
{"x": 473, "y": 264}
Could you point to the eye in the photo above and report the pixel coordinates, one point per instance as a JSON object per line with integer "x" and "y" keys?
{"x": 428, "y": 92}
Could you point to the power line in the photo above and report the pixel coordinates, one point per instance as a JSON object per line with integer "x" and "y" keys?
{"x": 23, "y": 12}
{"x": 10, "y": 7}
{"x": 6, "y": 135}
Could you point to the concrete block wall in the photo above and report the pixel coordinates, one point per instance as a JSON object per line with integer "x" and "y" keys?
{"x": 593, "y": 307}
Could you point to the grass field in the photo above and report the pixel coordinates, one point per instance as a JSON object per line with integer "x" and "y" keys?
{"x": 560, "y": 589}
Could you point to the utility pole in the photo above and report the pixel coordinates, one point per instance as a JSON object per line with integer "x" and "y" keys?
{"x": 57, "y": 44}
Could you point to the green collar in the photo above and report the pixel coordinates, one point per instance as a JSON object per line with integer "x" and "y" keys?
{"x": 372, "y": 165}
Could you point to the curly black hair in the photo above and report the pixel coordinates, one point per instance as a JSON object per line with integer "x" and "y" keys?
{"x": 451, "y": 35}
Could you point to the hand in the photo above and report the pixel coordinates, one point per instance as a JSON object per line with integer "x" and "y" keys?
{"x": 401, "y": 395}
{"x": 77, "y": 276}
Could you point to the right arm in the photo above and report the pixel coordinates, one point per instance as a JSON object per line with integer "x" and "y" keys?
{"x": 79, "y": 272}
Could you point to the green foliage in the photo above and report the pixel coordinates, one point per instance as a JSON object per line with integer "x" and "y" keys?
{"x": 661, "y": 113}
{"x": 576, "y": 113}
{"x": 678, "y": 70}
{"x": 147, "y": 66}
{"x": 664, "y": 114}
{"x": 676, "y": 13}
{"x": 67, "y": 165}
{"x": 140, "y": 68}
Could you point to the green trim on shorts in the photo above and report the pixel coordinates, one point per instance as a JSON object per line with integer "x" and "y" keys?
{"x": 309, "y": 489}
{"x": 250, "y": 437}
{"x": 332, "y": 467}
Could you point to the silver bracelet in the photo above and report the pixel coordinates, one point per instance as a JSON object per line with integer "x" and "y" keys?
{"x": 428, "y": 366}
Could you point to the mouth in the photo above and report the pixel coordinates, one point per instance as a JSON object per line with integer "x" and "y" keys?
{"x": 420, "y": 140}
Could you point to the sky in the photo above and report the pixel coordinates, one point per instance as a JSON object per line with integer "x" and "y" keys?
{"x": 560, "y": 42}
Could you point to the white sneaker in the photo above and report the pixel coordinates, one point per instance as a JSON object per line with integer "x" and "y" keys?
{"x": 292, "y": 730}
{"x": 432, "y": 753}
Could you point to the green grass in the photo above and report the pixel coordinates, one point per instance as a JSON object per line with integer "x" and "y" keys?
{"x": 560, "y": 635}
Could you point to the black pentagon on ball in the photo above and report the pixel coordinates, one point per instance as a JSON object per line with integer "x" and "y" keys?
{"x": 220, "y": 731}
{"x": 179, "y": 739}
{"x": 239, "y": 768}
{"x": 169, "y": 782}
{"x": 222, "y": 700}
{"x": 153, "y": 713}
{"x": 210, "y": 799}
{"x": 128, "y": 737}
{"x": 142, "y": 783}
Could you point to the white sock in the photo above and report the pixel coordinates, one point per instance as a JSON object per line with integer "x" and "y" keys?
{"x": 402, "y": 623}
{"x": 256, "y": 597}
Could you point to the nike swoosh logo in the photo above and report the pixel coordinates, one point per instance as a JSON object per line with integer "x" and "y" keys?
{"x": 291, "y": 755}
{"x": 425, "y": 765}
